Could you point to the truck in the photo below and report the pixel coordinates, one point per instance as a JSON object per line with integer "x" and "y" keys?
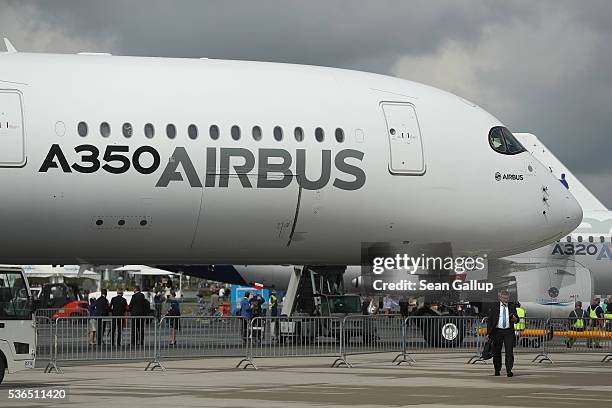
{"x": 17, "y": 325}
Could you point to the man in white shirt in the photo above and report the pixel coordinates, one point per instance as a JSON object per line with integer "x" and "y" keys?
{"x": 500, "y": 331}
{"x": 388, "y": 304}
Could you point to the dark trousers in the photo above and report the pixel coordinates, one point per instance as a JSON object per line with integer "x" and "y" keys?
{"x": 245, "y": 329}
{"x": 137, "y": 331}
{"x": 101, "y": 329}
{"x": 116, "y": 328}
{"x": 506, "y": 338}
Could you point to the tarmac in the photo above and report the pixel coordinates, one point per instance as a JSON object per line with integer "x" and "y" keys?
{"x": 436, "y": 380}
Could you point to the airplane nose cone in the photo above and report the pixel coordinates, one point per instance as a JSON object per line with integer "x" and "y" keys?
{"x": 573, "y": 211}
{"x": 565, "y": 212}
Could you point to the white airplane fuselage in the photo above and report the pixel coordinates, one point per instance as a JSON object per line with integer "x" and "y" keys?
{"x": 160, "y": 193}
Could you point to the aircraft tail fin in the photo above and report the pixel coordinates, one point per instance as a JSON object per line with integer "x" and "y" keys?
{"x": 587, "y": 200}
{"x": 10, "y": 49}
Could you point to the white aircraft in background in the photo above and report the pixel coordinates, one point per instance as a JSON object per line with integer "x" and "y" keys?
{"x": 578, "y": 266}
{"x": 118, "y": 160}
{"x": 547, "y": 281}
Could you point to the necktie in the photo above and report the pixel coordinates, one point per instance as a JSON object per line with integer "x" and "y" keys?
{"x": 504, "y": 318}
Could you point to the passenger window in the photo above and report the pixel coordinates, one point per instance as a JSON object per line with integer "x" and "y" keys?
{"x": 149, "y": 131}
{"x": 299, "y": 134}
{"x": 579, "y": 238}
{"x": 213, "y": 131}
{"x": 171, "y": 131}
{"x": 235, "y": 131}
{"x": 127, "y": 130}
{"x": 602, "y": 239}
{"x": 82, "y": 129}
{"x": 319, "y": 134}
{"x": 105, "y": 130}
{"x": 503, "y": 141}
{"x": 591, "y": 239}
{"x": 569, "y": 238}
{"x": 278, "y": 133}
{"x": 339, "y": 135}
{"x": 192, "y": 132}
{"x": 256, "y": 131}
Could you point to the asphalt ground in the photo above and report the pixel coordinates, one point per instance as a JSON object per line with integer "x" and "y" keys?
{"x": 440, "y": 380}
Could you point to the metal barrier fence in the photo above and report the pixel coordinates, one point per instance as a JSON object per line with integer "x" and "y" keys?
{"x": 197, "y": 336}
{"x": 105, "y": 338}
{"x": 442, "y": 333}
{"x": 582, "y": 336}
{"x": 308, "y": 336}
{"x": 375, "y": 334}
{"x": 87, "y": 339}
{"x": 44, "y": 337}
{"x": 533, "y": 338}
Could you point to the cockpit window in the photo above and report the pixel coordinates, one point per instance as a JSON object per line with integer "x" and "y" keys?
{"x": 496, "y": 140}
{"x": 503, "y": 141}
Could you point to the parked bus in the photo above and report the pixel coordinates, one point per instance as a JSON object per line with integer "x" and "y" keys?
{"x": 17, "y": 329}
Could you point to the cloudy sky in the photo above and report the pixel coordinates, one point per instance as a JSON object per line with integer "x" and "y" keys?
{"x": 543, "y": 67}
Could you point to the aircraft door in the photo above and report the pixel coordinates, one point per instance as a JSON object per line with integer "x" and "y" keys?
{"x": 405, "y": 139}
{"x": 12, "y": 135}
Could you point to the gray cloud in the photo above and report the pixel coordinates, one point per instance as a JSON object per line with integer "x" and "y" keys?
{"x": 25, "y": 25}
{"x": 542, "y": 67}
{"x": 334, "y": 33}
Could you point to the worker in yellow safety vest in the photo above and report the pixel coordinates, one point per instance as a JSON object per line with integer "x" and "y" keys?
{"x": 520, "y": 325}
{"x": 577, "y": 323}
{"x": 596, "y": 314}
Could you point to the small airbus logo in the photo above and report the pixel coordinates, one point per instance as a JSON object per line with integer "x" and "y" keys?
{"x": 508, "y": 176}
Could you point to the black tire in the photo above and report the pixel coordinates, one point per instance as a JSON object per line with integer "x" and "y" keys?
{"x": 2, "y": 367}
{"x": 444, "y": 333}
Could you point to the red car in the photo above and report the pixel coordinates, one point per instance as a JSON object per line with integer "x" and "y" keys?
{"x": 72, "y": 309}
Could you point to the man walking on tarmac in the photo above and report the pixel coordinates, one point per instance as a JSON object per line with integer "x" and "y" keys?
{"x": 500, "y": 331}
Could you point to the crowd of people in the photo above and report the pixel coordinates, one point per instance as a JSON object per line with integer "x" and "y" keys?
{"x": 594, "y": 318}
{"x": 138, "y": 308}
{"x": 251, "y": 307}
